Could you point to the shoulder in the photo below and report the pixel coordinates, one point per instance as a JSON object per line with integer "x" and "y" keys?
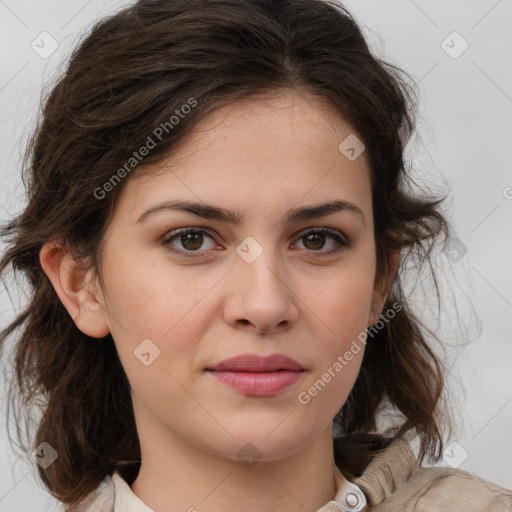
{"x": 436, "y": 489}
{"x": 112, "y": 495}
{"x": 394, "y": 480}
{"x": 101, "y": 500}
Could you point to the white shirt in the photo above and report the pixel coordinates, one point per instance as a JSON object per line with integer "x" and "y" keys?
{"x": 114, "y": 495}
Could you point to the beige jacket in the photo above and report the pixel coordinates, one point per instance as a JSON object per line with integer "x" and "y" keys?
{"x": 392, "y": 482}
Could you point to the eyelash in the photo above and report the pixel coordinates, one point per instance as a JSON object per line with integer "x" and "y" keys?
{"x": 342, "y": 242}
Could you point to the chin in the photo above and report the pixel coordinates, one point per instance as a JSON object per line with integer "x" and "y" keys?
{"x": 264, "y": 442}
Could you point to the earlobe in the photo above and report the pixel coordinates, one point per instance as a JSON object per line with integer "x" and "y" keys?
{"x": 382, "y": 287}
{"x": 73, "y": 284}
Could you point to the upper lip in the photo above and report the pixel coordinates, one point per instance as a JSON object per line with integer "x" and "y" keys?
{"x": 256, "y": 363}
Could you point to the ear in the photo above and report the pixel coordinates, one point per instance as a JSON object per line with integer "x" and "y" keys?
{"x": 382, "y": 287}
{"x": 75, "y": 287}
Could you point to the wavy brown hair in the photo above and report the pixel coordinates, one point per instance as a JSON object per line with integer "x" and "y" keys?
{"x": 129, "y": 74}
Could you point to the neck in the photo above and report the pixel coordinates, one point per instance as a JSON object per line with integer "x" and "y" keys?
{"x": 180, "y": 477}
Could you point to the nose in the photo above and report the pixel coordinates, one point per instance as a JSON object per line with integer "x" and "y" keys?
{"x": 260, "y": 297}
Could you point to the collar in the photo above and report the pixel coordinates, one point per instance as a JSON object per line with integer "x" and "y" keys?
{"x": 387, "y": 472}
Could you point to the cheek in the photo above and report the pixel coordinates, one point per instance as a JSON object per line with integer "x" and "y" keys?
{"x": 344, "y": 303}
{"x": 148, "y": 302}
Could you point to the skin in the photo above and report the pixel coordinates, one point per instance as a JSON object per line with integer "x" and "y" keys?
{"x": 259, "y": 158}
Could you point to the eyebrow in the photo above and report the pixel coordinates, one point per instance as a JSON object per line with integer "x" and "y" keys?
{"x": 207, "y": 211}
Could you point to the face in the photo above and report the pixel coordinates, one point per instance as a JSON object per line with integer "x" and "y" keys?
{"x": 260, "y": 280}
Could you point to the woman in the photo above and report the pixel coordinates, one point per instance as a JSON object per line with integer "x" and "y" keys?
{"x": 216, "y": 225}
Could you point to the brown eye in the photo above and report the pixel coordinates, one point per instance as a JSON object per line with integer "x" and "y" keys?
{"x": 191, "y": 240}
{"x": 316, "y": 239}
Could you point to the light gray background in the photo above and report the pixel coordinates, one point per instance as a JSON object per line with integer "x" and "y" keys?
{"x": 464, "y": 141}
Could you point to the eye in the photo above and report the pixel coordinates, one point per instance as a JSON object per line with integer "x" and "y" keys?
{"x": 314, "y": 239}
{"x": 191, "y": 240}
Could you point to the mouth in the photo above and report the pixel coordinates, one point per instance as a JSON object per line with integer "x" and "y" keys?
{"x": 254, "y": 375}
{"x": 258, "y": 364}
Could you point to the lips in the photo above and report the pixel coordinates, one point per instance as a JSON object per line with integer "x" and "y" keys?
{"x": 255, "y": 363}
{"x": 258, "y": 376}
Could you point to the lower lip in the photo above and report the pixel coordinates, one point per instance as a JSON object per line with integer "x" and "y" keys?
{"x": 258, "y": 383}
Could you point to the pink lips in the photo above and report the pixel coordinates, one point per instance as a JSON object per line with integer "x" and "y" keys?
{"x": 258, "y": 376}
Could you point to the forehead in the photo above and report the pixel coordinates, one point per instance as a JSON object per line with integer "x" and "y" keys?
{"x": 276, "y": 148}
{"x": 283, "y": 122}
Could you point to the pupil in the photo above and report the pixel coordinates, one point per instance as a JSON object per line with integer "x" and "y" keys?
{"x": 318, "y": 238}
{"x": 190, "y": 237}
